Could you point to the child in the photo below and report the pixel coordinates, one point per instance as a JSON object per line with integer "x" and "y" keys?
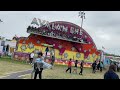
{"x": 75, "y": 69}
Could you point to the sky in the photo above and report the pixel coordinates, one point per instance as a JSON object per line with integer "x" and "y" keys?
{"x": 102, "y": 26}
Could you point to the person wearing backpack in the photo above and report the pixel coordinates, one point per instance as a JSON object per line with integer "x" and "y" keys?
{"x": 38, "y": 66}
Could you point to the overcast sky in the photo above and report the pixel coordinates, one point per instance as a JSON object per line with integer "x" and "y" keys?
{"x": 102, "y": 26}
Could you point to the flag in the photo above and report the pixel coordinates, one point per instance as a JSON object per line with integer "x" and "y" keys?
{"x": 103, "y": 47}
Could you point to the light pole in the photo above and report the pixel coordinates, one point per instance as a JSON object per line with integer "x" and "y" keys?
{"x": 81, "y": 15}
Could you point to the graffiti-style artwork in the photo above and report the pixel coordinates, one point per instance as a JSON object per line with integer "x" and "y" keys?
{"x": 93, "y": 55}
{"x": 88, "y": 58}
{"x": 24, "y": 42}
{"x": 38, "y": 41}
{"x": 65, "y": 55}
{"x": 36, "y": 50}
{"x": 36, "y": 36}
{"x": 60, "y": 46}
{"x": 23, "y": 47}
{"x": 35, "y": 22}
{"x": 85, "y": 36}
{"x": 78, "y": 55}
{"x": 79, "y": 49}
{"x": 67, "y": 39}
{"x": 73, "y": 48}
{"x": 89, "y": 50}
{"x": 30, "y": 45}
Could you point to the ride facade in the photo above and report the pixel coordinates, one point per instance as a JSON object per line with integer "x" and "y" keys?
{"x": 65, "y": 39}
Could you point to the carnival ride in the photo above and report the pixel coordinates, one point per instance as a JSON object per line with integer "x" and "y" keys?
{"x": 68, "y": 40}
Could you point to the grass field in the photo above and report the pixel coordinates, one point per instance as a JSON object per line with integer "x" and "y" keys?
{"x": 58, "y": 72}
{"x": 9, "y": 66}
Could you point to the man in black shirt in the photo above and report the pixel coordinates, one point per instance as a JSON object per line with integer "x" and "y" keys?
{"x": 94, "y": 66}
{"x": 81, "y": 67}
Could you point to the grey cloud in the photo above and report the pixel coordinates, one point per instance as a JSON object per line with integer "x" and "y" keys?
{"x": 107, "y": 22}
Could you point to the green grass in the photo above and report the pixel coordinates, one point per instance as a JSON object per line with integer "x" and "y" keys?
{"x": 8, "y": 66}
{"x": 8, "y": 59}
{"x": 58, "y": 72}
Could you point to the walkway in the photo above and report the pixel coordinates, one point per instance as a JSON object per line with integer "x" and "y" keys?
{"x": 16, "y": 75}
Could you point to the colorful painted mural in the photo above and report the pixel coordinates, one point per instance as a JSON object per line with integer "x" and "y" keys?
{"x": 66, "y": 39}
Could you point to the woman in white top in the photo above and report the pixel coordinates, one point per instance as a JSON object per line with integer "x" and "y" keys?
{"x": 31, "y": 57}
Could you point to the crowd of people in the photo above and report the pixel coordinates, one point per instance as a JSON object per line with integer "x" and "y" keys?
{"x": 96, "y": 66}
{"x": 75, "y": 67}
{"x": 38, "y": 62}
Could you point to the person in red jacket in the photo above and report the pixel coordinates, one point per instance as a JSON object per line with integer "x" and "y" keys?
{"x": 69, "y": 65}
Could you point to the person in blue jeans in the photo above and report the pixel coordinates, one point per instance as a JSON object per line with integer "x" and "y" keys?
{"x": 110, "y": 74}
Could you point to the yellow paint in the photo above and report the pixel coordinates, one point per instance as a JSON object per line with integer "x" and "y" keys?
{"x": 71, "y": 54}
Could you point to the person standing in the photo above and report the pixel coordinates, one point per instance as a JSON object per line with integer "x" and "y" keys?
{"x": 115, "y": 64}
{"x": 110, "y": 74}
{"x": 101, "y": 66}
{"x": 81, "y": 67}
{"x": 47, "y": 50}
{"x": 33, "y": 71}
{"x": 52, "y": 60}
{"x": 118, "y": 66}
{"x": 31, "y": 57}
{"x": 38, "y": 66}
{"x": 98, "y": 65}
{"x": 75, "y": 69}
{"x": 94, "y": 67}
{"x": 69, "y": 65}
{"x": 7, "y": 49}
